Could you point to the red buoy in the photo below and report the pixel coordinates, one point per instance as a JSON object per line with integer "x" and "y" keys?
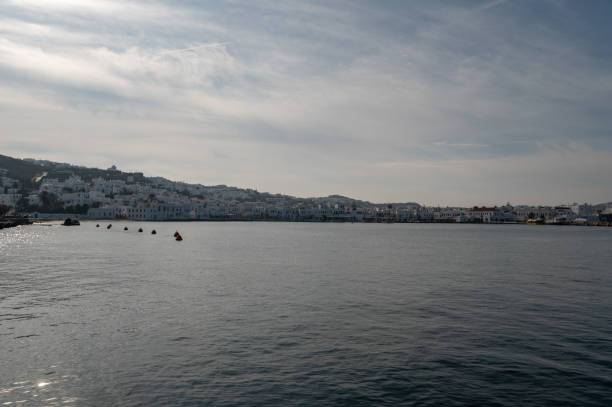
{"x": 179, "y": 237}
{"x": 139, "y": 230}
{"x": 153, "y": 232}
{"x": 125, "y": 228}
{"x": 109, "y": 226}
{"x": 176, "y": 234}
{"x": 97, "y": 225}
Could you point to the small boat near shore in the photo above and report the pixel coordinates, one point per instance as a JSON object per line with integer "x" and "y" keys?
{"x": 71, "y": 222}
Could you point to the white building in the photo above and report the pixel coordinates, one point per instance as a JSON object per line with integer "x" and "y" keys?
{"x": 449, "y": 215}
{"x": 485, "y": 215}
{"x": 9, "y": 199}
{"x": 105, "y": 213}
{"x": 76, "y": 198}
{"x": 51, "y": 185}
{"x": 523, "y": 213}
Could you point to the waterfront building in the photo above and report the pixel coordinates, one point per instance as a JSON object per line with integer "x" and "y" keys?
{"x": 104, "y": 213}
{"x": 449, "y": 215}
{"x": 485, "y": 215}
{"x": 524, "y": 213}
{"x": 564, "y": 214}
{"x": 606, "y": 215}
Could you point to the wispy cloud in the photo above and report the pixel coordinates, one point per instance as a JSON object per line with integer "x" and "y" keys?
{"x": 307, "y": 97}
{"x": 491, "y": 4}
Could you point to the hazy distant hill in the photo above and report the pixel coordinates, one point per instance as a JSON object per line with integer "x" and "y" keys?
{"x": 20, "y": 170}
{"x": 30, "y": 172}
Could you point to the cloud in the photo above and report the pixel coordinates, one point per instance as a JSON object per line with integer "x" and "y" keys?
{"x": 459, "y": 145}
{"x": 88, "y": 9}
{"x": 293, "y": 96}
{"x": 491, "y": 4}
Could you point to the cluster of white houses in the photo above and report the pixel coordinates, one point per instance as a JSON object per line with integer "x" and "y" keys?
{"x": 339, "y": 212}
{"x": 9, "y": 190}
{"x": 160, "y": 199}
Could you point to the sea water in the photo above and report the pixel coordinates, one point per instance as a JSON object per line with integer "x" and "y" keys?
{"x": 311, "y": 314}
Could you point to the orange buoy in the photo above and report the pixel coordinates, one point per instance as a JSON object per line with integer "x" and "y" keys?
{"x": 153, "y": 232}
{"x": 109, "y": 226}
{"x": 139, "y": 230}
{"x": 97, "y": 225}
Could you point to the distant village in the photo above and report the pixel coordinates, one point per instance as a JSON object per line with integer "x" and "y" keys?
{"x": 120, "y": 195}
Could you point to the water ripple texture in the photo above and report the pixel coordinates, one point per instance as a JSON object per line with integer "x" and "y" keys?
{"x": 290, "y": 314}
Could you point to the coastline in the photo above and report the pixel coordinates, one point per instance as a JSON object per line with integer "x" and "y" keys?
{"x": 376, "y": 221}
{"x": 11, "y": 222}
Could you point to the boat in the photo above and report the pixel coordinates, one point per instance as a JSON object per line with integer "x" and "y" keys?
{"x": 71, "y": 222}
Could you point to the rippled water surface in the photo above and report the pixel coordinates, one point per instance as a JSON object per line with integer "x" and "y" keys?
{"x": 283, "y": 314}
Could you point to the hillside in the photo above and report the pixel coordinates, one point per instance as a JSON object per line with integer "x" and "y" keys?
{"x": 30, "y": 172}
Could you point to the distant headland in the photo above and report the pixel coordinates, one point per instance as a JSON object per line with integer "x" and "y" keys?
{"x": 42, "y": 189}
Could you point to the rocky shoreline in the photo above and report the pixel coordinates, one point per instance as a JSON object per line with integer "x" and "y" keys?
{"x": 11, "y": 222}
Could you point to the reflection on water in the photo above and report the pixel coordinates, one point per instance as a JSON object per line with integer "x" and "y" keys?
{"x": 19, "y": 236}
{"x": 40, "y": 392}
{"x": 242, "y": 314}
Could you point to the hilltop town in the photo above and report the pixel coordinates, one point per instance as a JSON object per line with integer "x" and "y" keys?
{"x": 48, "y": 190}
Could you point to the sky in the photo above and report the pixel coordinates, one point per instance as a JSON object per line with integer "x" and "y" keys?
{"x": 469, "y": 102}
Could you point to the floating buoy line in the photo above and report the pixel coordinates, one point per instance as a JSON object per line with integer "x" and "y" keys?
{"x": 177, "y": 235}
